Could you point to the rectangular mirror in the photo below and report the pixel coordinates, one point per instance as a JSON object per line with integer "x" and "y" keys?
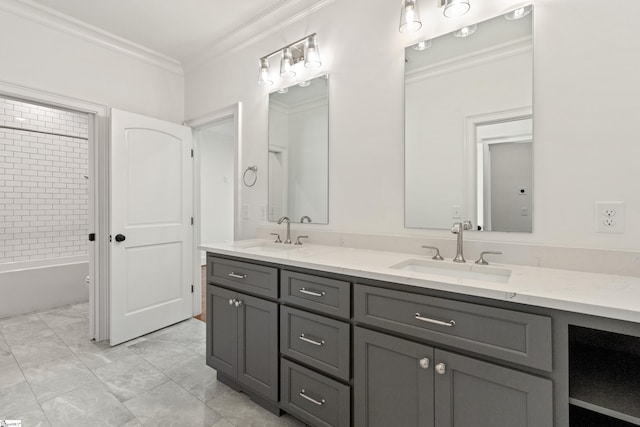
{"x": 299, "y": 152}
{"x": 469, "y": 126}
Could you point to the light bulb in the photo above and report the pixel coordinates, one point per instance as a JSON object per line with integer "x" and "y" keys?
{"x": 425, "y": 44}
{"x": 455, "y": 8}
{"x": 409, "y": 17}
{"x": 263, "y": 75}
{"x": 518, "y": 13}
{"x": 312, "y": 55}
{"x": 465, "y": 31}
{"x": 286, "y": 64}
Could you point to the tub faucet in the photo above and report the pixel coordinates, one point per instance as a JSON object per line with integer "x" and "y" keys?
{"x": 458, "y": 228}
{"x": 286, "y": 219}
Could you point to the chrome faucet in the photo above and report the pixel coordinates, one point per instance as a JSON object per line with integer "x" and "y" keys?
{"x": 303, "y": 218}
{"x": 458, "y": 228}
{"x": 288, "y": 221}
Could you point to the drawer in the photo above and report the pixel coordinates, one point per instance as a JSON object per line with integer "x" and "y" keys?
{"x": 316, "y": 293}
{"x": 243, "y": 276}
{"x": 316, "y": 341}
{"x": 504, "y": 334}
{"x": 314, "y": 398}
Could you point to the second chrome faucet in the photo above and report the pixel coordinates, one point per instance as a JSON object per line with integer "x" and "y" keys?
{"x": 458, "y": 229}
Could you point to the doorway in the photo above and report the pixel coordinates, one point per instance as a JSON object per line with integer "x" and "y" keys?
{"x": 217, "y": 148}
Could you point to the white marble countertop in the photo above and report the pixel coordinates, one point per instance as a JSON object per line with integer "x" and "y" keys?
{"x": 616, "y": 297}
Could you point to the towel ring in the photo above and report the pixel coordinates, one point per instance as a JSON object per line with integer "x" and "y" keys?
{"x": 255, "y": 178}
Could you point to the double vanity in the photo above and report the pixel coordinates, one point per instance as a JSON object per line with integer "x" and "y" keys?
{"x": 339, "y": 336}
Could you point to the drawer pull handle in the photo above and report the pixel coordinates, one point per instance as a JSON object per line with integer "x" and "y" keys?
{"x": 311, "y": 341}
{"x": 312, "y": 293}
{"x": 311, "y": 399}
{"x": 434, "y": 321}
{"x": 237, "y": 276}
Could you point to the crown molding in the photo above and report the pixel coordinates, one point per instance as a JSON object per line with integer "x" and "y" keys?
{"x": 493, "y": 53}
{"x": 269, "y": 21}
{"x": 40, "y": 14}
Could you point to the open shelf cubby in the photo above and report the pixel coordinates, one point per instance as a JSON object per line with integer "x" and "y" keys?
{"x": 604, "y": 378}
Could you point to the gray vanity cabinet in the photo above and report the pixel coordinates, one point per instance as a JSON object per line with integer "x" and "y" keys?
{"x": 393, "y": 381}
{"x": 469, "y": 392}
{"x": 242, "y": 334}
{"x": 397, "y": 382}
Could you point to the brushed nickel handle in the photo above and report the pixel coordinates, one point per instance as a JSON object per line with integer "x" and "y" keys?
{"x": 238, "y": 303}
{"x": 424, "y": 363}
{"x": 231, "y": 301}
{"x": 312, "y": 293}
{"x": 311, "y": 341}
{"x": 434, "y": 321}
{"x": 311, "y": 399}
{"x": 237, "y": 276}
{"x": 441, "y": 368}
{"x": 437, "y": 256}
{"x": 482, "y": 261}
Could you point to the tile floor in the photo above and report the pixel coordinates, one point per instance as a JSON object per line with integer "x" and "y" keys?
{"x": 51, "y": 374}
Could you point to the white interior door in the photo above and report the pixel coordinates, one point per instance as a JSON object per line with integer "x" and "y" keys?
{"x": 151, "y": 208}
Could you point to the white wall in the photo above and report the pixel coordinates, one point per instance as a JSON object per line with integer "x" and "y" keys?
{"x": 40, "y": 57}
{"x": 217, "y": 153}
{"x": 586, "y": 88}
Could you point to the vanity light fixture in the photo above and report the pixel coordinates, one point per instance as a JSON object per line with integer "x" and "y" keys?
{"x": 466, "y": 31}
{"x": 303, "y": 50}
{"x": 425, "y": 44}
{"x": 263, "y": 76}
{"x": 519, "y": 13}
{"x": 455, "y": 8}
{"x": 409, "y": 17}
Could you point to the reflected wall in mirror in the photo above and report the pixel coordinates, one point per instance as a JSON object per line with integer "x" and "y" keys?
{"x": 299, "y": 152}
{"x": 468, "y": 127}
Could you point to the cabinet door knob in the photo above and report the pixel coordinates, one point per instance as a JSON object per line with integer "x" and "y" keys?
{"x": 441, "y": 368}
{"x": 238, "y": 303}
{"x": 424, "y": 363}
{"x": 231, "y": 301}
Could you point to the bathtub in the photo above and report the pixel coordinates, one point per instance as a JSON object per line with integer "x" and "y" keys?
{"x": 29, "y": 286}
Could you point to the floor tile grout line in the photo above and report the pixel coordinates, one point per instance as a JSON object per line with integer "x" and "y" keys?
{"x": 106, "y": 387}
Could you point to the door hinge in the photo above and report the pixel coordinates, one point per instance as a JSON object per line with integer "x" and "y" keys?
{"x": 192, "y": 152}
{"x": 191, "y": 288}
{"x": 191, "y": 220}
{"x": 92, "y": 237}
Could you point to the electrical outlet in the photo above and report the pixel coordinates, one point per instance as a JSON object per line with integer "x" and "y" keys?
{"x": 262, "y": 213}
{"x": 609, "y": 217}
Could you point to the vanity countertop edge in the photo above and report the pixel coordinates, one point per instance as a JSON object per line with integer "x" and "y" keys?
{"x": 606, "y": 295}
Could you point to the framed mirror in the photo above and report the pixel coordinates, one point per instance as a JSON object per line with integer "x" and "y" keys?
{"x": 469, "y": 127}
{"x": 299, "y": 152}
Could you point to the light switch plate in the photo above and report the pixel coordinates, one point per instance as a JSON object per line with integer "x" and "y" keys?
{"x": 609, "y": 217}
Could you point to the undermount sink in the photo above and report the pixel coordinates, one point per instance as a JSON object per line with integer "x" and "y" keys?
{"x": 267, "y": 247}
{"x": 463, "y": 271}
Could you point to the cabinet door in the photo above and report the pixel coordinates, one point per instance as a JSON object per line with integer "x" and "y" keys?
{"x": 474, "y": 393}
{"x": 222, "y": 331}
{"x": 392, "y": 387}
{"x": 258, "y": 346}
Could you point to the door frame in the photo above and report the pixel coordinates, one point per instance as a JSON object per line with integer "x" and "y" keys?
{"x": 98, "y": 168}
{"x": 231, "y": 111}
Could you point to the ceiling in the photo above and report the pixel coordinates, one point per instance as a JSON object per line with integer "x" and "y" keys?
{"x": 179, "y": 29}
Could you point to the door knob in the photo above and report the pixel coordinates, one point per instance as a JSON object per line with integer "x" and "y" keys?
{"x": 424, "y": 363}
{"x": 441, "y": 368}
{"x": 120, "y": 238}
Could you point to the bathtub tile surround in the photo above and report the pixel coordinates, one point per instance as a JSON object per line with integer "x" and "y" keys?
{"x": 42, "y": 179}
{"x": 51, "y": 374}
